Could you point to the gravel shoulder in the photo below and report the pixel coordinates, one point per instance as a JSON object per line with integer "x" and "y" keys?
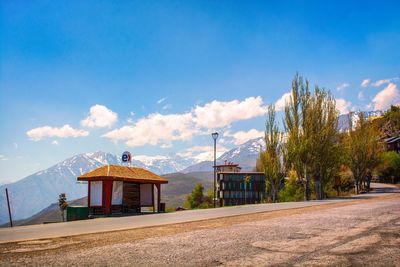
{"x": 362, "y": 232}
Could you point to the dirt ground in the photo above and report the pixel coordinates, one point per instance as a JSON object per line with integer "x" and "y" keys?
{"x": 362, "y": 232}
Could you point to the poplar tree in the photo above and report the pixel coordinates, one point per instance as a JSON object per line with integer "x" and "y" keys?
{"x": 298, "y": 136}
{"x": 270, "y": 160}
{"x": 312, "y": 146}
{"x": 362, "y": 148}
{"x": 324, "y": 147}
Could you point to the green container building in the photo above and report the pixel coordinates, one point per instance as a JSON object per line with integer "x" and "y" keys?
{"x": 75, "y": 213}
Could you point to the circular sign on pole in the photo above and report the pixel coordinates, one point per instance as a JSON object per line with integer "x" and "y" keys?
{"x": 126, "y": 156}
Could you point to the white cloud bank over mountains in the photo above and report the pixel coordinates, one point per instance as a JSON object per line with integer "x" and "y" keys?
{"x": 163, "y": 129}
{"x": 155, "y": 129}
{"x": 159, "y": 129}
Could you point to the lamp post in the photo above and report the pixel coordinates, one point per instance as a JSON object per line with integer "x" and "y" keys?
{"x": 215, "y": 136}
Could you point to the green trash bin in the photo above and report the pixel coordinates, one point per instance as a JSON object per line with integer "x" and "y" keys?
{"x": 75, "y": 213}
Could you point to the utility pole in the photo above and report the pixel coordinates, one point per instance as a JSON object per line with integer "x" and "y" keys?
{"x": 9, "y": 210}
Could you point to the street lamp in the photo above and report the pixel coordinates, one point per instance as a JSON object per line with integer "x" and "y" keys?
{"x": 215, "y": 136}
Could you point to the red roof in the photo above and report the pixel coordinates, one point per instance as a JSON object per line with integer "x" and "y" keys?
{"x": 123, "y": 173}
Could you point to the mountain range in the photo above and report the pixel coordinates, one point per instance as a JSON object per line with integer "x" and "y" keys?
{"x": 33, "y": 193}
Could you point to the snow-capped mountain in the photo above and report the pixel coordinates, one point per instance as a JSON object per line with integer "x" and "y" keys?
{"x": 35, "y": 192}
{"x": 344, "y": 119}
{"x": 245, "y": 155}
{"x": 31, "y": 194}
{"x": 162, "y": 164}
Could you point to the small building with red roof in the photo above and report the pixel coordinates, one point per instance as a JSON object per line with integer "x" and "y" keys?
{"x": 122, "y": 189}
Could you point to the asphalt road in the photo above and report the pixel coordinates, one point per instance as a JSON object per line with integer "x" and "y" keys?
{"x": 44, "y": 231}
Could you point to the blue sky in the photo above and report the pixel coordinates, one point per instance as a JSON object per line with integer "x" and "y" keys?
{"x": 151, "y": 76}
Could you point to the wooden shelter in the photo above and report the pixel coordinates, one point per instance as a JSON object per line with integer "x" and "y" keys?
{"x": 116, "y": 189}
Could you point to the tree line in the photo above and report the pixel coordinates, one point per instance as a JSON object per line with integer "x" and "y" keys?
{"x": 311, "y": 158}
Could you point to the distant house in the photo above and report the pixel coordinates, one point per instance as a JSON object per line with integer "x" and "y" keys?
{"x": 233, "y": 189}
{"x": 122, "y": 189}
{"x": 228, "y": 167}
{"x": 393, "y": 143}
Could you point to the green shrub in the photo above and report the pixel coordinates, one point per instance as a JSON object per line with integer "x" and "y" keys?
{"x": 197, "y": 200}
{"x": 389, "y": 168}
{"x": 292, "y": 190}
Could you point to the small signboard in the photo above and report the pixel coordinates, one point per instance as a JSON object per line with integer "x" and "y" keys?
{"x": 126, "y": 156}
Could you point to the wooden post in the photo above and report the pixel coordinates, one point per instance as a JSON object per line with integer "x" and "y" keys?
{"x": 152, "y": 198}
{"x": 158, "y": 196}
{"x": 88, "y": 200}
{"x": 9, "y": 210}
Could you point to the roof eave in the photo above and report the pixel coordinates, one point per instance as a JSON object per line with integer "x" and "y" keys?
{"x": 114, "y": 178}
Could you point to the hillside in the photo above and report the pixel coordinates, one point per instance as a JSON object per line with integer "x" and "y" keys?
{"x": 179, "y": 185}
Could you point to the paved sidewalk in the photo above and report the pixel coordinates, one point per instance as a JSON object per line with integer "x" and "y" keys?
{"x": 42, "y": 231}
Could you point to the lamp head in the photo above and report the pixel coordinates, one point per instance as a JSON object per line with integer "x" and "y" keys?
{"x": 214, "y": 135}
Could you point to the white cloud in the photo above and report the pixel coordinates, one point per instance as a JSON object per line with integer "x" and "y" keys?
{"x": 202, "y": 153}
{"x": 388, "y": 96}
{"x": 100, "y": 116}
{"x": 360, "y": 95}
{"x": 220, "y": 114}
{"x": 342, "y": 86}
{"x": 40, "y": 133}
{"x": 155, "y": 129}
{"x": 243, "y": 136}
{"x": 55, "y": 142}
{"x": 159, "y": 129}
{"x": 343, "y": 106}
{"x": 2, "y": 157}
{"x": 385, "y": 81}
{"x": 281, "y": 102}
{"x": 365, "y": 82}
{"x": 159, "y": 101}
{"x": 15, "y": 145}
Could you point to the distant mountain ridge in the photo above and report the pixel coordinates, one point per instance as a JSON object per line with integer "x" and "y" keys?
{"x": 245, "y": 155}
{"x": 35, "y": 192}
